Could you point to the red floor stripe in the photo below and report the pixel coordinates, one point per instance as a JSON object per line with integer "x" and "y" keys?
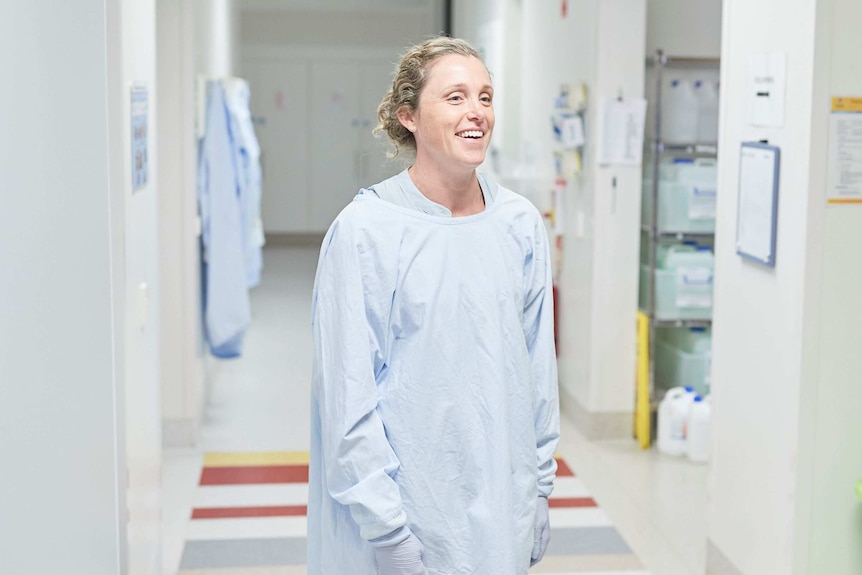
{"x": 243, "y": 512}
{"x": 249, "y": 475}
{"x": 563, "y": 470}
{"x": 568, "y": 502}
{"x": 288, "y": 474}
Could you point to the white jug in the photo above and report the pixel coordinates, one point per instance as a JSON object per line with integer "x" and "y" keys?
{"x": 673, "y": 420}
{"x": 699, "y": 430}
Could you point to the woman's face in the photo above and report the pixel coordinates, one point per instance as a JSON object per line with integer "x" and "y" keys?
{"x": 455, "y": 117}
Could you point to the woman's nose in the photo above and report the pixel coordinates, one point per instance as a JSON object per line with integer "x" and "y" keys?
{"x": 477, "y": 111}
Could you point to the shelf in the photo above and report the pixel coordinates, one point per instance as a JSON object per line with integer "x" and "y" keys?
{"x": 683, "y": 62}
{"x": 689, "y": 148}
{"x": 676, "y": 235}
{"x": 681, "y": 322}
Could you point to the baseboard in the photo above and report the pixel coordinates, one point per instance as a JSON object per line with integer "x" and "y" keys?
{"x": 597, "y": 425}
{"x": 294, "y": 240}
{"x": 179, "y": 433}
{"x": 717, "y": 562}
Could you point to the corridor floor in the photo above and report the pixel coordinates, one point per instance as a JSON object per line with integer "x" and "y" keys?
{"x": 236, "y": 505}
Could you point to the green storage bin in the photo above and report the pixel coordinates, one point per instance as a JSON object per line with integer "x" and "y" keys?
{"x": 686, "y": 195}
{"x": 677, "y": 367}
{"x": 684, "y": 293}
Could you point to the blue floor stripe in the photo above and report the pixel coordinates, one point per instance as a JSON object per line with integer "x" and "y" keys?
{"x": 244, "y": 553}
{"x": 292, "y": 551}
{"x": 587, "y": 541}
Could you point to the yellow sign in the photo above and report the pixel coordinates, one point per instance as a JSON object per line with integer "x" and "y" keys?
{"x": 844, "y": 175}
{"x": 847, "y": 104}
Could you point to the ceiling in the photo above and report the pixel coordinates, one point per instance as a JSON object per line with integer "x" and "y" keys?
{"x": 332, "y": 5}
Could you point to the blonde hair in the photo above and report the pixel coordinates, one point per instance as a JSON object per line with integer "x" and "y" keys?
{"x": 411, "y": 73}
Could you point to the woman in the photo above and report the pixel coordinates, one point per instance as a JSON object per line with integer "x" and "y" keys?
{"x": 434, "y": 402}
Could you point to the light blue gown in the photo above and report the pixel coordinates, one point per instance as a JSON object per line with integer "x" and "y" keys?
{"x": 247, "y": 150}
{"x": 434, "y": 398}
{"x": 227, "y": 311}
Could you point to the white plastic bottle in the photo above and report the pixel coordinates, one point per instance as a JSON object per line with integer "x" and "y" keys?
{"x": 673, "y": 420}
{"x": 679, "y": 113}
{"x": 699, "y": 431}
{"x": 707, "y": 107}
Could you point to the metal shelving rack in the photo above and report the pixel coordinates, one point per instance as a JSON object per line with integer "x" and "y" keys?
{"x": 656, "y": 148}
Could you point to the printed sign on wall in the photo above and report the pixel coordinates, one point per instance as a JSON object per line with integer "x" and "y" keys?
{"x": 140, "y": 128}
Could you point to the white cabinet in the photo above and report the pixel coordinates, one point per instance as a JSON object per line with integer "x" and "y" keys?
{"x": 279, "y": 97}
{"x": 314, "y": 117}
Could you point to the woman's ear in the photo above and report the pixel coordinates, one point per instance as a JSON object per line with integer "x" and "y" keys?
{"x": 407, "y": 118}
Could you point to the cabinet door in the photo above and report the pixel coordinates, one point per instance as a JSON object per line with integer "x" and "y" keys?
{"x": 279, "y": 105}
{"x": 333, "y": 125}
{"x": 374, "y": 165}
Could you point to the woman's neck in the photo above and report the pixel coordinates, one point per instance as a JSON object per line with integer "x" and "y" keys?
{"x": 460, "y": 194}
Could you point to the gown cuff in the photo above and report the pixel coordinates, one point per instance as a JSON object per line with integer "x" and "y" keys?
{"x": 392, "y": 539}
{"x": 377, "y": 529}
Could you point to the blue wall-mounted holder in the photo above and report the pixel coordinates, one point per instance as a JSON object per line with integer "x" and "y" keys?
{"x": 757, "y": 211}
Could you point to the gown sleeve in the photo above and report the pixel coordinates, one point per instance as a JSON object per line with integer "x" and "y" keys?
{"x": 358, "y": 460}
{"x": 539, "y": 332}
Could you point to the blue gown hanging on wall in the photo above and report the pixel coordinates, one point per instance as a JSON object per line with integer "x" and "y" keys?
{"x": 247, "y": 149}
{"x": 223, "y": 209}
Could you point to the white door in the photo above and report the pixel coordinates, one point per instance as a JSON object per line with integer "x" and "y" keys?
{"x": 374, "y": 165}
{"x": 335, "y": 159}
{"x": 279, "y": 105}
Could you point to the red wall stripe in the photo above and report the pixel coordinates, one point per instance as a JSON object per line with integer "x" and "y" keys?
{"x": 246, "y": 512}
{"x": 256, "y": 474}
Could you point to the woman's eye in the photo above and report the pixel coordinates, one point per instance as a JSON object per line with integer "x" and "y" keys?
{"x": 486, "y": 99}
{"x": 455, "y": 98}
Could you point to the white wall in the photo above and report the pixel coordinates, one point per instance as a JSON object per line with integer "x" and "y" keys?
{"x": 757, "y": 326}
{"x": 57, "y": 385}
{"x": 599, "y": 43}
{"x": 181, "y": 346}
{"x": 785, "y": 361}
{"x": 684, "y": 27}
{"x": 396, "y": 29}
{"x": 616, "y": 221}
{"x": 829, "y": 461}
{"x": 216, "y": 35}
{"x": 69, "y": 352}
{"x": 142, "y": 297}
{"x": 196, "y": 38}
{"x": 558, "y": 51}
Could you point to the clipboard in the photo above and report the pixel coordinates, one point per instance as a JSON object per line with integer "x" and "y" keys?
{"x": 757, "y": 211}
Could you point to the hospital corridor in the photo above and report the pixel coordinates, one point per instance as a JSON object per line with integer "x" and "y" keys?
{"x": 235, "y": 506}
{"x": 430, "y": 287}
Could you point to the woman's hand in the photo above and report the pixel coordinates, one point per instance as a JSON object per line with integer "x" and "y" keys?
{"x": 541, "y": 531}
{"x": 403, "y": 557}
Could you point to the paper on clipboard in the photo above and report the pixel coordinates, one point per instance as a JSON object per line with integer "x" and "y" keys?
{"x": 622, "y": 131}
{"x": 758, "y": 175}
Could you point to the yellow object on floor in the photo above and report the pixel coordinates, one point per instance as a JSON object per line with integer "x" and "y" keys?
{"x": 642, "y": 407}
{"x": 254, "y": 459}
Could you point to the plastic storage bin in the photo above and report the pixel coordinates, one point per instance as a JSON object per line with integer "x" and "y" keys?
{"x": 679, "y": 112}
{"x": 684, "y": 278}
{"x": 686, "y": 195}
{"x": 707, "y": 111}
{"x": 683, "y": 357}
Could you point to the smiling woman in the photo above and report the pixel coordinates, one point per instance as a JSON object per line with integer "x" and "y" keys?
{"x": 435, "y": 415}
